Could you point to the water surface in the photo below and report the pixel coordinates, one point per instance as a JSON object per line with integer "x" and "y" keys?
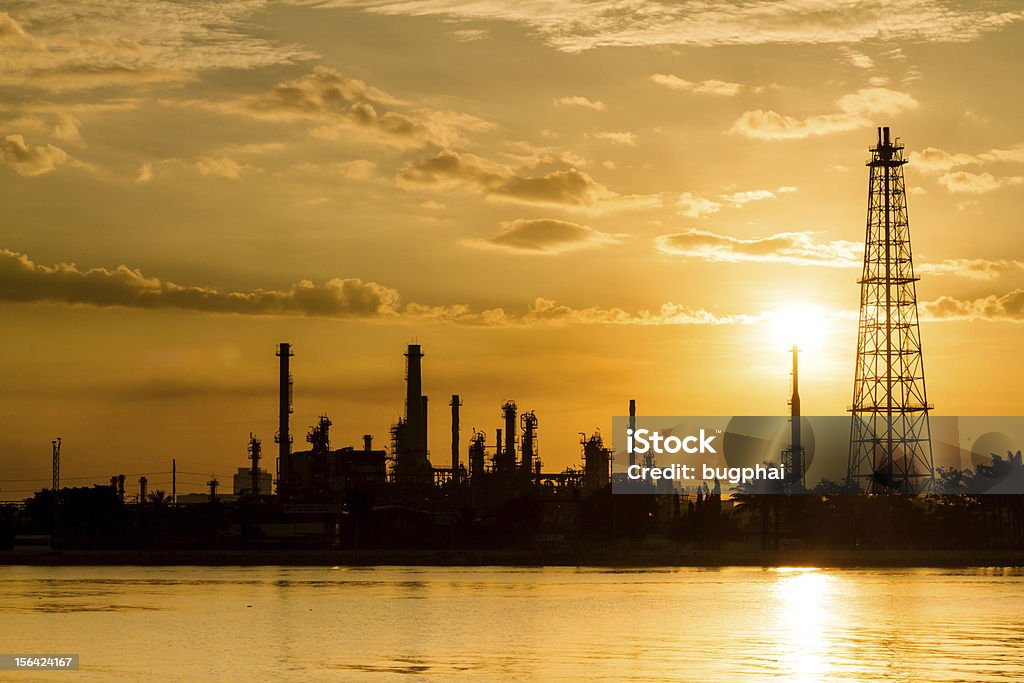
{"x": 487, "y": 624}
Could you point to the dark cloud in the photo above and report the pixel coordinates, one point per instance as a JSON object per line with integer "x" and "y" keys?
{"x": 451, "y": 168}
{"x": 340, "y": 107}
{"x": 25, "y": 281}
{"x": 22, "y": 280}
{"x": 322, "y": 90}
{"x": 544, "y": 236}
{"x": 568, "y": 188}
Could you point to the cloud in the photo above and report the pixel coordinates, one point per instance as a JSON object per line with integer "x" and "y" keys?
{"x": 617, "y": 138}
{"x": 859, "y": 59}
{"x": 355, "y": 169}
{"x": 962, "y": 182}
{"x": 126, "y": 44}
{"x": 1008, "y": 307}
{"x": 469, "y": 35}
{"x": 67, "y": 129}
{"x": 707, "y": 87}
{"x": 324, "y": 90}
{"x": 23, "y": 281}
{"x": 13, "y": 33}
{"x": 696, "y": 206}
{"x": 544, "y": 236}
{"x": 220, "y": 166}
{"x": 972, "y": 269}
{"x": 799, "y": 248}
{"x": 448, "y": 167}
{"x": 854, "y": 111}
{"x": 741, "y": 198}
{"x": 579, "y": 101}
{"x": 549, "y": 312}
{"x": 576, "y": 25}
{"x": 567, "y": 188}
{"x": 935, "y": 160}
{"x": 785, "y": 247}
{"x": 145, "y": 173}
{"x": 340, "y": 107}
{"x": 30, "y": 160}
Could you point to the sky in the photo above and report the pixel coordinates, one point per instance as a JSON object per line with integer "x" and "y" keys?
{"x": 566, "y": 204}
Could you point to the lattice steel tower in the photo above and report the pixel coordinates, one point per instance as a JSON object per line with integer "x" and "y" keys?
{"x": 890, "y": 438}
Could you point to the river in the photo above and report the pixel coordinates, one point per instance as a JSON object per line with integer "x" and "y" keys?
{"x": 529, "y": 624}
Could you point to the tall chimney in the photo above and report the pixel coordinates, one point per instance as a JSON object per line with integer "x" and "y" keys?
{"x": 632, "y": 428}
{"x": 455, "y": 404}
{"x": 794, "y": 418}
{"x": 284, "y": 437}
{"x": 367, "y": 442}
{"x": 508, "y": 411}
{"x": 414, "y": 404}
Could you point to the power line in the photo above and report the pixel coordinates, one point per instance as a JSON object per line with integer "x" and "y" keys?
{"x": 98, "y": 476}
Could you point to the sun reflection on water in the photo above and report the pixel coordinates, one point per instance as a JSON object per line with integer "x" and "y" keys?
{"x": 802, "y": 598}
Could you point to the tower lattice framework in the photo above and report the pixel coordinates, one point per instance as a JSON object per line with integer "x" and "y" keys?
{"x": 890, "y": 437}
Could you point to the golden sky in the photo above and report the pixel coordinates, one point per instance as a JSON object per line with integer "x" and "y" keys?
{"x": 568, "y": 204}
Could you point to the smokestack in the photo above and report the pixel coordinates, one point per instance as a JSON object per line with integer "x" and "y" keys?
{"x": 367, "y": 442}
{"x": 794, "y": 418}
{"x": 508, "y": 410}
{"x": 632, "y": 428}
{"x": 414, "y": 404}
{"x": 142, "y": 489}
{"x": 455, "y": 404}
{"x": 497, "y": 448}
{"x": 284, "y": 437}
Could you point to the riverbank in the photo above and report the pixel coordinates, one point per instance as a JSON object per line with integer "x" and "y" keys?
{"x": 638, "y": 558}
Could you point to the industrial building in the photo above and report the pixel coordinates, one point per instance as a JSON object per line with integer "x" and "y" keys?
{"x": 508, "y": 468}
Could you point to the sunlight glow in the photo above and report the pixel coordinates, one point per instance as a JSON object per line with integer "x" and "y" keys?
{"x": 802, "y": 324}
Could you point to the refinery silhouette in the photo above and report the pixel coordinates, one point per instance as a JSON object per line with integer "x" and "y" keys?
{"x": 499, "y": 497}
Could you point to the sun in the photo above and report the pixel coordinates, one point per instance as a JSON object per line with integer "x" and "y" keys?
{"x": 804, "y": 325}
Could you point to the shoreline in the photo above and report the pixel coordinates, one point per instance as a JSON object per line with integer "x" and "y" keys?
{"x": 826, "y": 559}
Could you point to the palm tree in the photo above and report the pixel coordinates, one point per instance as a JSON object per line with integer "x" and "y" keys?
{"x": 158, "y": 498}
